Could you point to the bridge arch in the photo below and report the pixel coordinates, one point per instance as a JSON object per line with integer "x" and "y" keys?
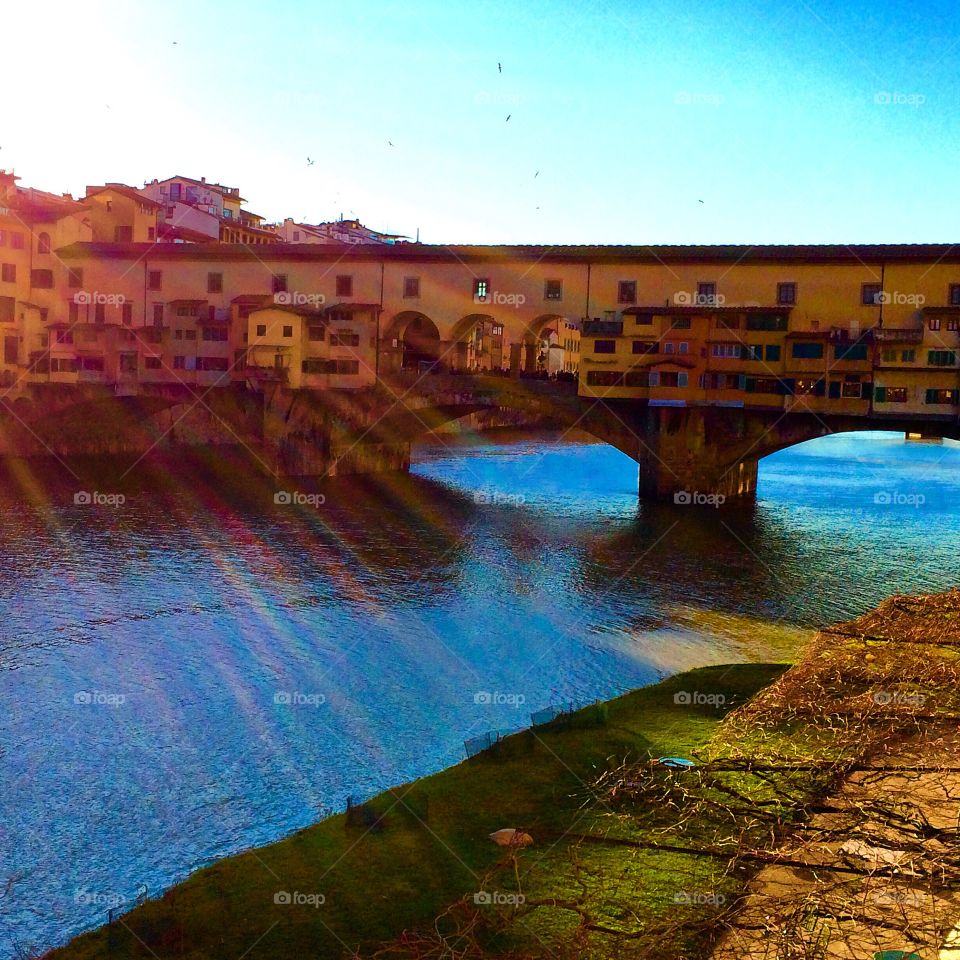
{"x": 477, "y": 343}
{"x": 410, "y": 338}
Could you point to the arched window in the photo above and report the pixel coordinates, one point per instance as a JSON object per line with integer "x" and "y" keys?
{"x": 43, "y": 243}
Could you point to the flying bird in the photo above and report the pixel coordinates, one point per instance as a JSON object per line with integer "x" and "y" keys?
{"x": 309, "y": 162}
{"x": 699, "y": 201}
{"x": 537, "y": 174}
{"x": 390, "y": 142}
{"x": 499, "y": 68}
{"x": 509, "y": 115}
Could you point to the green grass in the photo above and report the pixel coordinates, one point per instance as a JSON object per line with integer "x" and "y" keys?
{"x": 378, "y": 883}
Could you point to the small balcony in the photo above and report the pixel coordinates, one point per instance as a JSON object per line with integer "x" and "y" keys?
{"x": 898, "y": 334}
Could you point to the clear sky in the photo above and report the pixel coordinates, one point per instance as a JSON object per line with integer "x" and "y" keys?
{"x": 791, "y": 121}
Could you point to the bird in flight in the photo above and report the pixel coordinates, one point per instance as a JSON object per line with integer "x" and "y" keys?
{"x": 390, "y": 142}
{"x": 699, "y": 201}
{"x": 509, "y": 115}
{"x": 499, "y": 68}
{"x": 309, "y": 162}
{"x": 537, "y": 174}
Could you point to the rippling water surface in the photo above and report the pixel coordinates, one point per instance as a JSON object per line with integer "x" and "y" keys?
{"x": 201, "y": 669}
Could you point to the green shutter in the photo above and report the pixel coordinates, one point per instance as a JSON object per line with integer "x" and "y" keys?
{"x": 880, "y": 394}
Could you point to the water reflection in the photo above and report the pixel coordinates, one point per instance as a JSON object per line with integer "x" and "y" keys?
{"x": 202, "y": 669}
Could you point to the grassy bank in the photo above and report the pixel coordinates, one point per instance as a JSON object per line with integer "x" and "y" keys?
{"x": 423, "y": 847}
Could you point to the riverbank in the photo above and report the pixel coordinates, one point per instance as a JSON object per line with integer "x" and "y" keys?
{"x": 336, "y": 887}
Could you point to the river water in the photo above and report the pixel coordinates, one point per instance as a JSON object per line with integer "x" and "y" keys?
{"x": 200, "y": 669}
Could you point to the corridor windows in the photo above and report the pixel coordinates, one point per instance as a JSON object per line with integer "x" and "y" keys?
{"x": 8, "y": 273}
{"x": 604, "y": 346}
{"x": 316, "y": 334}
{"x": 481, "y": 289}
{"x": 941, "y": 358}
{"x": 645, "y": 346}
{"x": 953, "y": 297}
{"x": 41, "y": 279}
{"x": 214, "y": 283}
{"x": 627, "y": 291}
{"x": 75, "y": 278}
{"x": 261, "y": 329}
{"x": 345, "y": 285}
{"x": 43, "y": 243}
{"x": 278, "y": 283}
{"x": 727, "y": 351}
{"x": 786, "y": 294}
{"x": 411, "y": 288}
{"x": 937, "y": 396}
{"x": 287, "y": 330}
{"x": 807, "y": 351}
{"x": 707, "y": 294}
{"x": 154, "y": 279}
{"x": 870, "y": 294}
{"x": 552, "y": 289}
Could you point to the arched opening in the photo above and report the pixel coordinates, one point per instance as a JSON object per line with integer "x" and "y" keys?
{"x": 420, "y": 343}
{"x": 551, "y": 347}
{"x": 478, "y": 344}
{"x": 43, "y": 243}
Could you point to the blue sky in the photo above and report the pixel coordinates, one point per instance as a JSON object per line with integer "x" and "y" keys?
{"x": 792, "y": 122}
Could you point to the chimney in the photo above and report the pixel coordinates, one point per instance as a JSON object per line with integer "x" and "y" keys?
{"x": 203, "y": 179}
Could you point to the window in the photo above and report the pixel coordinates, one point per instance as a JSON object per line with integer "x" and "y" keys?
{"x": 890, "y": 394}
{"x": 933, "y": 323}
{"x": 189, "y": 334}
{"x": 637, "y": 378}
{"x": 668, "y": 347}
{"x": 278, "y": 283}
{"x": 627, "y": 291}
{"x": 953, "y": 323}
{"x": 807, "y": 351}
{"x": 787, "y": 293}
{"x": 151, "y": 233}
{"x": 851, "y": 390}
{"x": 75, "y": 278}
{"x": 752, "y": 351}
{"x": 154, "y": 279}
{"x": 766, "y": 321}
{"x": 100, "y": 312}
{"x": 888, "y": 356}
{"x": 604, "y": 378}
{"x": 123, "y": 234}
{"x": 706, "y": 293}
{"x": 908, "y": 356}
{"x": 126, "y": 313}
{"x": 316, "y": 334}
{"x": 669, "y": 378}
{"x": 481, "y": 289}
{"x": 344, "y": 285}
{"x": 261, "y": 329}
{"x": 215, "y": 334}
{"x": 411, "y": 288}
{"x": 849, "y": 351}
{"x": 41, "y": 279}
{"x": 8, "y": 309}
{"x": 8, "y": 273}
{"x": 214, "y": 283}
{"x": 941, "y": 358}
{"x": 552, "y": 289}
{"x": 43, "y": 243}
{"x": 680, "y": 323}
{"x": 158, "y": 314}
{"x": 347, "y": 367}
{"x": 16, "y": 241}
{"x": 644, "y": 346}
{"x": 942, "y": 396}
{"x": 287, "y": 330}
{"x": 870, "y": 294}
{"x": 179, "y": 363}
{"x": 772, "y": 352}
{"x": 213, "y": 364}
{"x": 64, "y": 336}
{"x": 344, "y": 339}
{"x": 604, "y": 346}
{"x": 683, "y": 347}
{"x": 732, "y": 351}
{"x": 953, "y": 297}
{"x": 128, "y": 363}
{"x": 316, "y": 365}
{"x": 152, "y": 363}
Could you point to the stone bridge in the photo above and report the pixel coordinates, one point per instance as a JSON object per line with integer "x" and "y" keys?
{"x": 708, "y": 450}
